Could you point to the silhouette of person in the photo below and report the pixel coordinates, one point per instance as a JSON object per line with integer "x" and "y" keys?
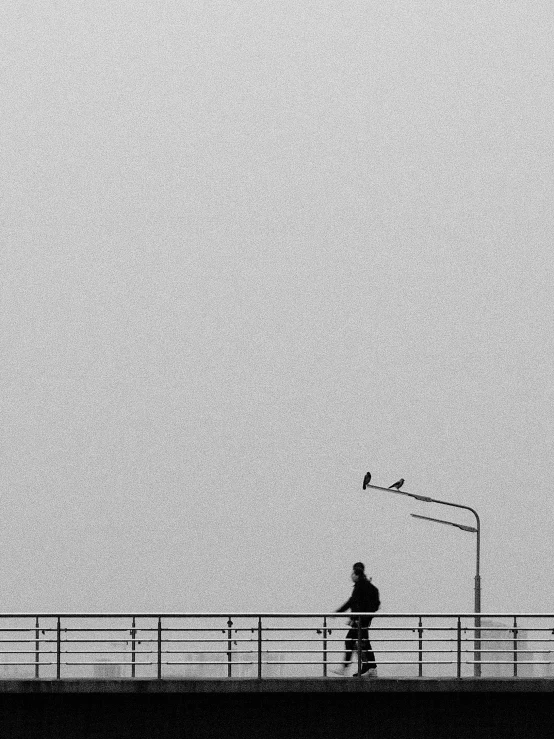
{"x": 364, "y": 599}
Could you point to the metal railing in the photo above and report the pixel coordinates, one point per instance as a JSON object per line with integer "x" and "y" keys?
{"x": 261, "y": 645}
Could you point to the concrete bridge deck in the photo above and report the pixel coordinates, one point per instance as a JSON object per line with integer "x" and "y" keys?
{"x": 280, "y": 685}
{"x": 402, "y": 708}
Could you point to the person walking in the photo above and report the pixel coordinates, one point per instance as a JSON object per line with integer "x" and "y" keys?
{"x": 364, "y": 599}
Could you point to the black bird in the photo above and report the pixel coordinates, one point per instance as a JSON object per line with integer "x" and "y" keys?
{"x": 367, "y": 479}
{"x": 398, "y": 484}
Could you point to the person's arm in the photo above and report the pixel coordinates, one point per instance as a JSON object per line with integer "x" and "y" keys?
{"x": 345, "y": 606}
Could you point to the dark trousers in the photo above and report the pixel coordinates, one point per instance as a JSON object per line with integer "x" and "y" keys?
{"x": 351, "y": 644}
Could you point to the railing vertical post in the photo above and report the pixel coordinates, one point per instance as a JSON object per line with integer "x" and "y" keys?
{"x": 515, "y": 646}
{"x": 229, "y": 646}
{"x": 477, "y": 646}
{"x": 159, "y": 647}
{"x": 259, "y": 647}
{"x": 420, "y": 634}
{"x": 37, "y": 647}
{"x": 133, "y": 647}
{"x": 459, "y": 648}
{"x": 359, "y": 646}
{"x": 58, "y": 649}
{"x": 324, "y": 646}
{"x": 477, "y": 667}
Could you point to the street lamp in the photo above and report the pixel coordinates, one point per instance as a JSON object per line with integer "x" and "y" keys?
{"x": 449, "y": 523}
{"x": 475, "y": 530}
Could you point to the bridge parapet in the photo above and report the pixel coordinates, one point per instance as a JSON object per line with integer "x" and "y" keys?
{"x": 264, "y": 646}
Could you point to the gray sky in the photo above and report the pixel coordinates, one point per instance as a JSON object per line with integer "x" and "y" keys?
{"x": 249, "y": 251}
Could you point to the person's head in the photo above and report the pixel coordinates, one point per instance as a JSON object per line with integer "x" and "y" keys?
{"x": 358, "y": 571}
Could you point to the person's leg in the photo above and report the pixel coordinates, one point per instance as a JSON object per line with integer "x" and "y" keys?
{"x": 349, "y": 645}
{"x": 372, "y": 664}
{"x": 368, "y": 657}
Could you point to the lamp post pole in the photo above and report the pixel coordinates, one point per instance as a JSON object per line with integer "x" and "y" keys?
{"x": 477, "y": 531}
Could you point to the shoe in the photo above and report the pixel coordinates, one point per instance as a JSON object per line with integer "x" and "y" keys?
{"x": 339, "y": 670}
{"x": 372, "y": 672}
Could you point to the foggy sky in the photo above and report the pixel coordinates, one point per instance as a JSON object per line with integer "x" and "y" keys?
{"x": 250, "y": 251}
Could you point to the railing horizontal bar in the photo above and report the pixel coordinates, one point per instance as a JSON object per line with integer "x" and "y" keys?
{"x": 378, "y": 616}
{"x": 509, "y": 664}
{"x": 202, "y": 641}
{"x": 238, "y": 663}
{"x": 106, "y": 641}
{"x": 239, "y": 651}
{"x": 246, "y": 641}
{"x": 341, "y": 651}
{"x": 95, "y": 641}
{"x": 42, "y": 651}
{"x": 25, "y": 664}
{"x": 149, "y": 641}
{"x": 100, "y": 651}
{"x": 196, "y": 663}
{"x": 280, "y": 662}
{"x": 108, "y": 664}
{"x": 309, "y": 629}
{"x": 99, "y": 629}
{"x": 510, "y": 629}
{"x": 144, "y": 631}
{"x": 376, "y": 651}
{"x": 510, "y": 639}
{"x": 200, "y": 664}
{"x": 29, "y": 663}
{"x": 373, "y": 638}
{"x": 21, "y": 651}
{"x": 26, "y": 641}
{"x": 317, "y": 628}
{"x": 152, "y": 651}
{"x": 511, "y": 651}
{"x": 537, "y": 662}
{"x": 255, "y": 615}
{"x": 88, "y": 651}
{"x": 521, "y": 641}
{"x": 307, "y": 662}
{"x": 136, "y": 629}
{"x": 224, "y": 655}
{"x": 111, "y": 641}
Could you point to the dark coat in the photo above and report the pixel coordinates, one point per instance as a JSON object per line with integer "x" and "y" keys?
{"x": 364, "y": 598}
